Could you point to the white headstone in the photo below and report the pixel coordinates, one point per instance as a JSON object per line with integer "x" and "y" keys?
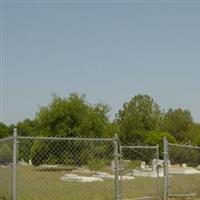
{"x": 143, "y": 165}
{"x": 184, "y": 165}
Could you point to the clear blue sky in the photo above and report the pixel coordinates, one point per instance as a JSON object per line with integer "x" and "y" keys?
{"x": 108, "y": 51}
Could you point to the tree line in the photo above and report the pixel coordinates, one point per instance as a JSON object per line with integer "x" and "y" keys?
{"x": 139, "y": 121}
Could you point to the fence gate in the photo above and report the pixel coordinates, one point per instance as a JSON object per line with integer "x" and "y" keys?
{"x": 184, "y": 170}
{"x": 140, "y": 172}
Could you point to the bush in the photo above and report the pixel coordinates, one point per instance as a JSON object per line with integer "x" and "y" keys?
{"x": 98, "y": 164}
{"x": 39, "y": 153}
{"x": 6, "y": 154}
{"x": 132, "y": 164}
{"x": 156, "y": 137}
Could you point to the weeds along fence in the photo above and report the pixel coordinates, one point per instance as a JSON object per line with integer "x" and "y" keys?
{"x": 95, "y": 169}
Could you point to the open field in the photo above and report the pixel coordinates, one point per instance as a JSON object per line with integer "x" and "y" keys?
{"x": 35, "y": 184}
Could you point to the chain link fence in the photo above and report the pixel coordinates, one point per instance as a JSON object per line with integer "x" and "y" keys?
{"x": 95, "y": 169}
{"x": 65, "y": 168}
{"x": 140, "y": 162}
{"x": 6, "y": 168}
{"x": 184, "y": 170}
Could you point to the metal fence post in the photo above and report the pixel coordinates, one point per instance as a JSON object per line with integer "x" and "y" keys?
{"x": 14, "y": 163}
{"x": 158, "y": 172}
{"x": 116, "y": 157}
{"x": 166, "y": 169}
{"x": 120, "y": 169}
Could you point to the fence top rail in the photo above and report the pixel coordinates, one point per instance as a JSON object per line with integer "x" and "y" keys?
{"x": 184, "y": 145}
{"x": 6, "y": 139}
{"x": 65, "y": 139}
{"x": 140, "y": 147}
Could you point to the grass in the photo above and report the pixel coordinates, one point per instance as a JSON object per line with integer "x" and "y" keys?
{"x": 185, "y": 184}
{"x": 35, "y": 184}
{"x": 46, "y": 185}
{"x": 6, "y": 183}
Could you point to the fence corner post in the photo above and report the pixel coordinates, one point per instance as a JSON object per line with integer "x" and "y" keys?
{"x": 166, "y": 169}
{"x": 117, "y": 174}
{"x": 14, "y": 183}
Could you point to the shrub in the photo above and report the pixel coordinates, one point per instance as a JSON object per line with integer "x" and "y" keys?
{"x": 39, "y": 153}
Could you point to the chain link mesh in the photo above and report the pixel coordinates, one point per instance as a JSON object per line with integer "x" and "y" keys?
{"x": 141, "y": 163}
{"x": 6, "y": 168}
{"x": 65, "y": 169}
{"x": 85, "y": 169}
{"x": 184, "y": 170}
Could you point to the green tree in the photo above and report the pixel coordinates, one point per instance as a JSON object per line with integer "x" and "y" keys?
{"x": 72, "y": 117}
{"x": 6, "y": 153}
{"x": 178, "y": 122}
{"x": 26, "y": 127}
{"x": 193, "y": 133}
{"x": 39, "y": 152}
{"x": 4, "y": 130}
{"x": 137, "y": 117}
{"x": 11, "y": 127}
{"x": 69, "y": 117}
{"x": 156, "y": 138}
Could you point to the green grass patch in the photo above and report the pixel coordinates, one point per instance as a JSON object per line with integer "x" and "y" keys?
{"x": 34, "y": 184}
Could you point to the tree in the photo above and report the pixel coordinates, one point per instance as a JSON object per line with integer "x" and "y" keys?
{"x": 6, "y": 153}
{"x": 137, "y": 117}
{"x": 69, "y": 117}
{"x": 26, "y": 127}
{"x": 72, "y": 117}
{"x": 178, "y": 122}
{"x": 197, "y": 140}
{"x": 39, "y": 152}
{"x": 4, "y": 130}
{"x": 156, "y": 138}
{"x": 193, "y": 133}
